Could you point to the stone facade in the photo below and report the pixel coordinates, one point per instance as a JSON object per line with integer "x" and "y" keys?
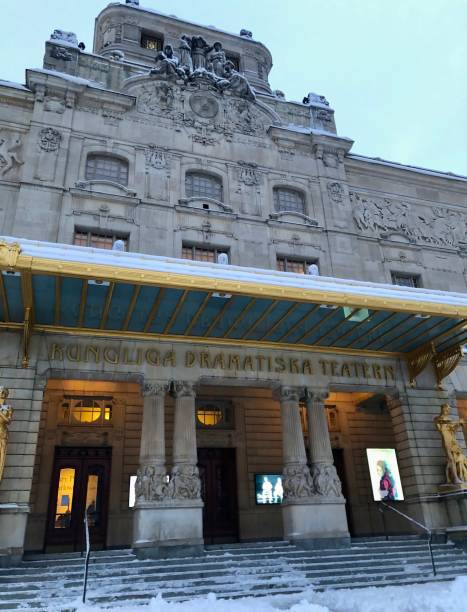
{"x": 203, "y": 104}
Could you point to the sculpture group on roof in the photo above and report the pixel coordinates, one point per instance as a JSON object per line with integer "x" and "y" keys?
{"x": 197, "y": 59}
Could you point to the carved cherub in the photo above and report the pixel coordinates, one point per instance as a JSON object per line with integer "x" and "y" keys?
{"x": 456, "y": 466}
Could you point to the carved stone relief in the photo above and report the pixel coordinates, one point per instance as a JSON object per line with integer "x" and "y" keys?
{"x": 297, "y": 482}
{"x": 248, "y": 174}
{"x": 155, "y": 157}
{"x": 204, "y": 105}
{"x": 325, "y": 480}
{"x": 383, "y": 217}
{"x": 54, "y": 105}
{"x": 336, "y": 192}
{"x": 49, "y": 140}
{"x": 61, "y": 53}
{"x": 151, "y": 483}
{"x": 10, "y": 151}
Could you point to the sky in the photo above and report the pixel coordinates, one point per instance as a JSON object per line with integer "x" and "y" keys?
{"x": 393, "y": 70}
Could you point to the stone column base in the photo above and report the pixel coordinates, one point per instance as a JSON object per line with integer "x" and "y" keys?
{"x": 13, "y": 518}
{"x": 167, "y": 530}
{"x": 322, "y": 523}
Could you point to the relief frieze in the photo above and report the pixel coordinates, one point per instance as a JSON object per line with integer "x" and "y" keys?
{"x": 383, "y": 217}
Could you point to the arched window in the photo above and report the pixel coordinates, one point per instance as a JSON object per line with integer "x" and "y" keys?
{"x": 288, "y": 200}
{"x": 107, "y": 168}
{"x": 200, "y": 185}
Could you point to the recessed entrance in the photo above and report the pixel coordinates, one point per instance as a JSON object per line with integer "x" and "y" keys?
{"x": 80, "y": 481}
{"x": 217, "y": 468}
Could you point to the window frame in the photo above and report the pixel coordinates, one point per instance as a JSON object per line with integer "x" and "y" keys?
{"x": 90, "y": 233}
{"x": 417, "y": 284}
{"x": 124, "y": 163}
{"x": 147, "y": 36}
{"x": 70, "y": 403}
{"x": 215, "y": 250}
{"x": 208, "y": 175}
{"x": 276, "y": 199}
{"x": 305, "y": 261}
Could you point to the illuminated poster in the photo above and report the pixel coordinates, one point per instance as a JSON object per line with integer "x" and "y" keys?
{"x": 384, "y": 474}
{"x": 268, "y": 488}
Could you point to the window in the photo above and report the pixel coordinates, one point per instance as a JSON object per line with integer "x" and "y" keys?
{"x": 406, "y": 280}
{"x": 288, "y": 200}
{"x": 99, "y": 240}
{"x": 299, "y": 266}
{"x": 214, "y": 414}
{"x": 107, "y": 168}
{"x": 234, "y": 59}
{"x": 86, "y": 411}
{"x": 199, "y": 185}
{"x": 151, "y": 42}
{"x": 197, "y": 253}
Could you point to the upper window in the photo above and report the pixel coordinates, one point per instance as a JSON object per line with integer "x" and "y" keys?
{"x": 406, "y": 280}
{"x": 200, "y": 185}
{"x": 108, "y": 168}
{"x": 288, "y": 200}
{"x": 299, "y": 266}
{"x": 149, "y": 41}
{"x": 86, "y": 411}
{"x": 197, "y": 253}
{"x": 97, "y": 239}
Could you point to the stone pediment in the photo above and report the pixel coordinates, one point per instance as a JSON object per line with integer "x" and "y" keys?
{"x": 199, "y": 104}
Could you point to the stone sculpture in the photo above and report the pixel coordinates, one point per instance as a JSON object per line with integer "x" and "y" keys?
{"x": 297, "y": 482}
{"x": 325, "y": 480}
{"x": 10, "y": 153}
{"x": 151, "y": 484}
{"x": 6, "y": 414}
{"x": 198, "y": 60}
{"x": 456, "y": 466}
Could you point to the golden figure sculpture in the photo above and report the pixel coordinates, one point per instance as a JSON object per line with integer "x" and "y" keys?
{"x": 456, "y": 467}
{"x": 6, "y": 413}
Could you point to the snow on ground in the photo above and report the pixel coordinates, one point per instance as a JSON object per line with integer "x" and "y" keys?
{"x": 430, "y": 597}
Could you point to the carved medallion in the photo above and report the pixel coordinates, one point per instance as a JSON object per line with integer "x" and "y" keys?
{"x": 49, "y": 139}
{"x": 336, "y": 192}
{"x": 203, "y": 105}
{"x": 156, "y": 158}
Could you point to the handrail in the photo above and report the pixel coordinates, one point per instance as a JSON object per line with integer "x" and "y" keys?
{"x": 412, "y": 520}
{"x": 88, "y": 554}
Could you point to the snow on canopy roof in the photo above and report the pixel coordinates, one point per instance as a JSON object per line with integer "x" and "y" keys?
{"x": 13, "y": 85}
{"x": 170, "y": 265}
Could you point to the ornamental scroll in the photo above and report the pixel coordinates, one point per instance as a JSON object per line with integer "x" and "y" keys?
{"x": 6, "y": 414}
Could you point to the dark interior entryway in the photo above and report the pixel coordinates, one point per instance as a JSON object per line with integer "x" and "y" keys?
{"x": 338, "y": 455}
{"x": 80, "y": 480}
{"x": 218, "y": 475}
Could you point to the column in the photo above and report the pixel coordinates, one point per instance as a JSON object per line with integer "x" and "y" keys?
{"x": 169, "y": 512}
{"x": 296, "y": 479}
{"x": 325, "y": 479}
{"x": 151, "y": 480}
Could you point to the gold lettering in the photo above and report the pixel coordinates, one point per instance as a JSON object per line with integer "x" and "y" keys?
{"x": 56, "y": 349}
{"x": 366, "y": 370}
{"x": 234, "y": 362}
{"x": 280, "y": 364}
{"x": 269, "y": 364}
{"x": 170, "y": 359}
{"x": 93, "y": 351}
{"x": 333, "y": 365}
{"x": 377, "y": 371}
{"x": 293, "y": 366}
{"x": 248, "y": 363}
{"x": 219, "y": 361}
{"x": 345, "y": 370}
{"x": 323, "y": 363}
{"x": 389, "y": 372}
{"x": 153, "y": 357}
{"x": 73, "y": 352}
{"x": 190, "y": 359}
{"x": 127, "y": 357}
{"x": 259, "y": 361}
{"x": 204, "y": 360}
{"x": 307, "y": 368}
{"x": 111, "y": 355}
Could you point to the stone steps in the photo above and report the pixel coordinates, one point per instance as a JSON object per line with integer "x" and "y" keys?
{"x": 52, "y": 582}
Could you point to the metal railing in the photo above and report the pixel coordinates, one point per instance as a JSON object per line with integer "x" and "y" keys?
{"x": 412, "y": 520}
{"x": 88, "y": 555}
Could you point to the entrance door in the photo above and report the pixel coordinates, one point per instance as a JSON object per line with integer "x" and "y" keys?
{"x": 338, "y": 455}
{"x": 80, "y": 480}
{"x": 217, "y": 469}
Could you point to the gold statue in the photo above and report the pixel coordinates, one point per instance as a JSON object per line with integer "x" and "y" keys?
{"x": 456, "y": 467}
{"x": 6, "y": 413}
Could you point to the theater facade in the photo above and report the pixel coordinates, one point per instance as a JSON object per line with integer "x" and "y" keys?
{"x": 210, "y": 308}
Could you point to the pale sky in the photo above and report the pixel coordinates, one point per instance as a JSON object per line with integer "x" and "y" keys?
{"x": 393, "y": 70}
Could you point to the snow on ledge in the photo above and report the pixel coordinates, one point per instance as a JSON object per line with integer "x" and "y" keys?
{"x": 272, "y": 278}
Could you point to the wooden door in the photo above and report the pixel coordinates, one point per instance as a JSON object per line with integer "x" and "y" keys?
{"x": 80, "y": 480}
{"x": 217, "y": 467}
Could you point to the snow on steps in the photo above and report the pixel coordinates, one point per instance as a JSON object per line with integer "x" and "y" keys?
{"x": 52, "y": 582}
